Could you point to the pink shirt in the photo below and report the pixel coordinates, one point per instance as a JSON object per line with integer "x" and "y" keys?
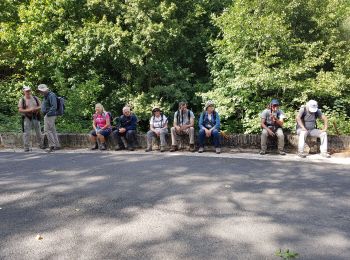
{"x": 101, "y": 119}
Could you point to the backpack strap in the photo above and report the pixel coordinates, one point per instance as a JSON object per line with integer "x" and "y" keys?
{"x": 36, "y": 100}
{"x": 24, "y": 106}
{"x": 304, "y": 112}
{"x": 178, "y": 117}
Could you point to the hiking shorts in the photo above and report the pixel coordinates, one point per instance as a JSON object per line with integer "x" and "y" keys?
{"x": 104, "y": 132}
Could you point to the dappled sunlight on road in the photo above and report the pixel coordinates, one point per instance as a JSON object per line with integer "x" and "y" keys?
{"x": 143, "y": 206}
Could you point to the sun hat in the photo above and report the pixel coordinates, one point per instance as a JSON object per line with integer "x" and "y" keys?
{"x": 275, "y": 102}
{"x": 208, "y": 104}
{"x": 43, "y": 88}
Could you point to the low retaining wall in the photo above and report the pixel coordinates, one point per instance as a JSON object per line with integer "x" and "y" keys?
{"x": 244, "y": 141}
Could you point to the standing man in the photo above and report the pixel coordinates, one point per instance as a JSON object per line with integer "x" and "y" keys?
{"x": 271, "y": 124}
{"x": 127, "y": 129}
{"x": 29, "y": 107}
{"x": 183, "y": 125}
{"x": 306, "y": 125}
{"x": 49, "y": 109}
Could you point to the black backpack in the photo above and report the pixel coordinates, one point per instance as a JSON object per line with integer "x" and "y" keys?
{"x": 303, "y": 116}
{"x": 161, "y": 121}
{"x": 31, "y": 115}
{"x": 178, "y": 116}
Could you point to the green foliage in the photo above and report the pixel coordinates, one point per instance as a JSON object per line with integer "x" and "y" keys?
{"x": 113, "y": 52}
{"x": 286, "y": 254}
{"x": 290, "y": 50}
{"x": 239, "y": 53}
{"x": 338, "y": 120}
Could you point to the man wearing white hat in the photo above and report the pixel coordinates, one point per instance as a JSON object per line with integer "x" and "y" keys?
{"x": 306, "y": 125}
{"x": 29, "y": 107}
{"x": 49, "y": 109}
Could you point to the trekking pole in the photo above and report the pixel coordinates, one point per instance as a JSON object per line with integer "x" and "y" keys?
{"x": 336, "y": 128}
{"x": 224, "y": 135}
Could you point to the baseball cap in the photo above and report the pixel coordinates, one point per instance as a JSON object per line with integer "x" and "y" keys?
{"x": 275, "y": 102}
{"x": 26, "y": 88}
{"x": 312, "y": 104}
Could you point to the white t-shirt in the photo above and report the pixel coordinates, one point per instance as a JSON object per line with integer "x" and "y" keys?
{"x": 158, "y": 122}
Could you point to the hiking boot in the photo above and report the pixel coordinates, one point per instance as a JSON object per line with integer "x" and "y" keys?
{"x": 41, "y": 146}
{"x": 173, "y": 148}
{"x": 218, "y": 150}
{"x": 57, "y": 148}
{"x": 50, "y": 150}
{"x": 192, "y": 148}
{"x": 94, "y": 147}
{"x": 301, "y": 155}
{"x": 118, "y": 148}
{"x": 103, "y": 147}
{"x": 325, "y": 155}
{"x": 281, "y": 152}
{"x": 262, "y": 152}
{"x": 149, "y": 149}
{"x": 131, "y": 148}
{"x": 201, "y": 149}
{"x": 26, "y": 149}
{"x": 162, "y": 149}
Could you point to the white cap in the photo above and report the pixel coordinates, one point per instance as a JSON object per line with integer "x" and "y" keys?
{"x": 312, "y": 105}
{"x": 26, "y": 88}
{"x": 43, "y": 88}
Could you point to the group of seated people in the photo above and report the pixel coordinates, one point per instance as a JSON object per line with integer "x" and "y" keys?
{"x": 124, "y": 133}
{"x": 272, "y": 120}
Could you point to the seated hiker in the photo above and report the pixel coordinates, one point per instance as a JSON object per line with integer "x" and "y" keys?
{"x": 158, "y": 128}
{"x": 271, "y": 124}
{"x": 183, "y": 125}
{"x": 209, "y": 127}
{"x": 306, "y": 125}
{"x": 101, "y": 124}
{"x": 125, "y": 133}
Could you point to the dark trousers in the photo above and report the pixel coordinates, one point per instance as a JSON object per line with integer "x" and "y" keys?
{"x": 214, "y": 134}
{"x": 129, "y": 135}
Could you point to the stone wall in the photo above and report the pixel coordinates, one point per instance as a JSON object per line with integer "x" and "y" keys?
{"x": 242, "y": 141}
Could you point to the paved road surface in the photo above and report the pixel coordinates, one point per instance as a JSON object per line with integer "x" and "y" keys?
{"x": 134, "y": 205}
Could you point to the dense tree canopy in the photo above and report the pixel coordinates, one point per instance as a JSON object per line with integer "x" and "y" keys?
{"x": 291, "y": 50}
{"x": 146, "y": 52}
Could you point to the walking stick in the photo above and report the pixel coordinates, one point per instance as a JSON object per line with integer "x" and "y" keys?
{"x": 336, "y": 128}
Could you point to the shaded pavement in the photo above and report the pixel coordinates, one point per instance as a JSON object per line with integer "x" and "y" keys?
{"x": 115, "y": 205}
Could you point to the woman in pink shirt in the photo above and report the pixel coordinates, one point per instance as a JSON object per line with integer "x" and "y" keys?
{"x": 101, "y": 124}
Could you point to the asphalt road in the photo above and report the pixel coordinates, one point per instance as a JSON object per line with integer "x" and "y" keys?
{"x": 133, "y": 205}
